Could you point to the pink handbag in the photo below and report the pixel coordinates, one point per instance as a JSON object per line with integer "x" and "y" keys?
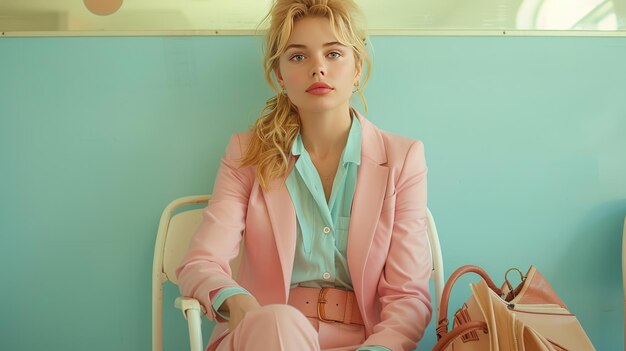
{"x": 529, "y": 317}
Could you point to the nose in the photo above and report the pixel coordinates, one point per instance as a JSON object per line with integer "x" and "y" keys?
{"x": 318, "y": 68}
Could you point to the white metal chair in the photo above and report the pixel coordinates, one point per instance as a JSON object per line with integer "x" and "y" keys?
{"x": 435, "y": 251}
{"x": 175, "y": 231}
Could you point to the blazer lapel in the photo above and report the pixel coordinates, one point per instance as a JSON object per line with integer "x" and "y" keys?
{"x": 283, "y": 219}
{"x": 368, "y": 200}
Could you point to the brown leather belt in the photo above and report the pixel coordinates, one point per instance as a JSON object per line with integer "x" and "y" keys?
{"x": 326, "y": 304}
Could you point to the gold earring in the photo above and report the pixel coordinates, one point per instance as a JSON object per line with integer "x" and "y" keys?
{"x": 358, "y": 90}
{"x": 282, "y": 90}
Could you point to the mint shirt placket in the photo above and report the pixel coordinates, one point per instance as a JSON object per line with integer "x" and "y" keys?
{"x": 322, "y": 229}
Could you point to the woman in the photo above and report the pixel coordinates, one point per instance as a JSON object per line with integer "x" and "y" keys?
{"x": 331, "y": 210}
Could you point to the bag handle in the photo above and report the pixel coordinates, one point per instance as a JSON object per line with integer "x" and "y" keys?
{"x": 457, "y": 332}
{"x": 442, "y": 325}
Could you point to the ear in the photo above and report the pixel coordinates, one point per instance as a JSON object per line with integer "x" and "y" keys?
{"x": 279, "y": 76}
{"x": 359, "y": 70}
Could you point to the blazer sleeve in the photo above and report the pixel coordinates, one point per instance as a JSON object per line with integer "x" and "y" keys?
{"x": 403, "y": 287}
{"x": 205, "y": 269}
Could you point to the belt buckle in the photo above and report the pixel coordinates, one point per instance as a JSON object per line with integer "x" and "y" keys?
{"x": 321, "y": 304}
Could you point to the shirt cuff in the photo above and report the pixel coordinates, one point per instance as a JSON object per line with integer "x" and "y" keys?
{"x": 222, "y": 296}
{"x": 372, "y": 348}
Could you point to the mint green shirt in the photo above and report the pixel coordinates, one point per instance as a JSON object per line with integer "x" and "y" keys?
{"x": 322, "y": 227}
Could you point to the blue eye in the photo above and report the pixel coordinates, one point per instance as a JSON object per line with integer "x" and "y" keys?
{"x": 297, "y": 57}
{"x": 335, "y": 54}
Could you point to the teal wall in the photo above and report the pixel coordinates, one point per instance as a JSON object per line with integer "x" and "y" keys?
{"x": 525, "y": 139}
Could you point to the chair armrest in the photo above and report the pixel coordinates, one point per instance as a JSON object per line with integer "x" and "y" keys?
{"x": 186, "y": 303}
{"x": 192, "y": 310}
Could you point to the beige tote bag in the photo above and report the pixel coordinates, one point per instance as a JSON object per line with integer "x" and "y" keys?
{"x": 530, "y": 317}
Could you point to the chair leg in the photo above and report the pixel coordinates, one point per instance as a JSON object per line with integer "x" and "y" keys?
{"x": 195, "y": 331}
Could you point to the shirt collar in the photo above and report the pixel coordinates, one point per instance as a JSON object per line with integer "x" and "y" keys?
{"x": 352, "y": 151}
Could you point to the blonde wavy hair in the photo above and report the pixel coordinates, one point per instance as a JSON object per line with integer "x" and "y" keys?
{"x": 275, "y": 130}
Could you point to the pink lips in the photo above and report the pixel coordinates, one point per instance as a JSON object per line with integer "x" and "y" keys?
{"x": 319, "y": 88}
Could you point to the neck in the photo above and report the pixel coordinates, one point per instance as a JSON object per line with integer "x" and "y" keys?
{"x": 324, "y": 134}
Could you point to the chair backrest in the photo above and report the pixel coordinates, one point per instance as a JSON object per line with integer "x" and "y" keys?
{"x": 435, "y": 251}
{"x": 175, "y": 232}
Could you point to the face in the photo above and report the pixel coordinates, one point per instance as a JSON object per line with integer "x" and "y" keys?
{"x": 317, "y": 71}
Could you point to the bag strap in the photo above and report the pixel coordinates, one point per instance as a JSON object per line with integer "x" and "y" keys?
{"x": 442, "y": 325}
{"x": 457, "y": 332}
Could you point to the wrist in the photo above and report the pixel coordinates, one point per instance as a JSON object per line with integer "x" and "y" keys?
{"x": 239, "y": 300}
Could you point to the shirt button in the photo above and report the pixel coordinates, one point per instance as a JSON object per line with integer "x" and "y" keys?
{"x": 326, "y": 230}
{"x": 326, "y": 276}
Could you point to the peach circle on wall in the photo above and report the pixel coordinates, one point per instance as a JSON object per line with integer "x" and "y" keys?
{"x": 103, "y": 7}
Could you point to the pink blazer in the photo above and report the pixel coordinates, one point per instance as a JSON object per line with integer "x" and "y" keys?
{"x": 388, "y": 253}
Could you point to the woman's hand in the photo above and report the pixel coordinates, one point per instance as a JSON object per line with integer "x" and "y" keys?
{"x": 237, "y": 306}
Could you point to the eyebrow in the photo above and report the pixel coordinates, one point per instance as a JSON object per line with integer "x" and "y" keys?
{"x": 300, "y": 46}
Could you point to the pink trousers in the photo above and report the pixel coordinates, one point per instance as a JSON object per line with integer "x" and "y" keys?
{"x": 283, "y": 327}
